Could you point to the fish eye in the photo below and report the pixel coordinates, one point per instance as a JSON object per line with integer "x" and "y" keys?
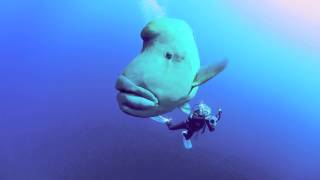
{"x": 168, "y": 55}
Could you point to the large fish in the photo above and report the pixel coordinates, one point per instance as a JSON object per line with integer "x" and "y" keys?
{"x": 166, "y": 74}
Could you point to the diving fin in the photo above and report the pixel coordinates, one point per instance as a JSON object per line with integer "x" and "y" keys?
{"x": 160, "y": 119}
{"x": 186, "y": 142}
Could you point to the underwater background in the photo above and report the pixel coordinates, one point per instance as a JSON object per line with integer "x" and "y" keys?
{"x": 59, "y": 118}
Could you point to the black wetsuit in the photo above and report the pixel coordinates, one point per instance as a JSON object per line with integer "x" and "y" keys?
{"x": 195, "y": 123}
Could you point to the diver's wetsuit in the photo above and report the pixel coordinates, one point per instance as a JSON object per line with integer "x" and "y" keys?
{"x": 194, "y": 123}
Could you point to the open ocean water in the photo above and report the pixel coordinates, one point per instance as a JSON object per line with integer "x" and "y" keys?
{"x": 59, "y": 118}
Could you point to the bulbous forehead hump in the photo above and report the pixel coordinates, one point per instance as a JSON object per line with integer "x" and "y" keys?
{"x": 167, "y": 27}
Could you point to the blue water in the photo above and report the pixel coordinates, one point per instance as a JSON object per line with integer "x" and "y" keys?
{"x": 59, "y": 118}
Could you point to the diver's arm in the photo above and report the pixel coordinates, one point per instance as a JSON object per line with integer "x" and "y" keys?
{"x": 218, "y": 115}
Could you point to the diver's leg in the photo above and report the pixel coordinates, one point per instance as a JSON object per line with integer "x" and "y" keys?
{"x": 181, "y": 125}
{"x": 189, "y": 134}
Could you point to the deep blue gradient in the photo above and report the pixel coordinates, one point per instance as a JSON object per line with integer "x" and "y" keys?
{"x": 59, "y": 118}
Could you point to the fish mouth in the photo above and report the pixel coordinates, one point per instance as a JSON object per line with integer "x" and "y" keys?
{"x": 134, "y": 98}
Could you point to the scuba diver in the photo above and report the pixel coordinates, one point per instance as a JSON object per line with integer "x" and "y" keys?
{"x": 200, "y": 118}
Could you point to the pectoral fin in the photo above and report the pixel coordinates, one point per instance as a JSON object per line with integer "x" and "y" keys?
{"x": 186, "y": 108}
{"x": 208, "y": 72}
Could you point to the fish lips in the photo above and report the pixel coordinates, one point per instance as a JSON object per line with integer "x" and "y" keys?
{"x": 133, "y": 98}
